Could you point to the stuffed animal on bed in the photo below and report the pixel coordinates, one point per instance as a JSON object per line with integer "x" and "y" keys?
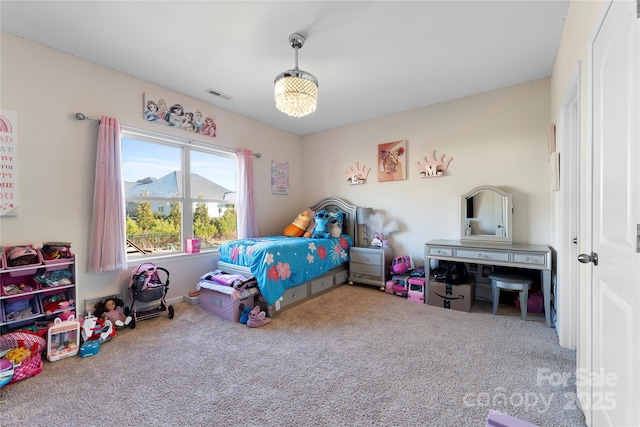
{"x": 312, "y": 225}
{"x": 298, "y": 226}
{"x": 335, "y": 225}
{"x": 321, "y": 230}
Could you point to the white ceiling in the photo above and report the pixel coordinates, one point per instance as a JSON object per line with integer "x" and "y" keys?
{"x": 371, "y": 58}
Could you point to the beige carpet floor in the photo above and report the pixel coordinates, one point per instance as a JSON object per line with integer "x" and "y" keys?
{"x": 352, "y": 357}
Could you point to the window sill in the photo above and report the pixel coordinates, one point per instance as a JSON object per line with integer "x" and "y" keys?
{"x": 133, "y": 261}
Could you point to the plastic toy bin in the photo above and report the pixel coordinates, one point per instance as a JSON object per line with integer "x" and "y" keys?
{"x": 9, "y": 315}
{"x": 22, "y": 268}
{"x": 66, "y": 296}
{"x": 14, "y": 286}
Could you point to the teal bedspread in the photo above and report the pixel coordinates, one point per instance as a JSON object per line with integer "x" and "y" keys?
{"x": 279, "y": 262}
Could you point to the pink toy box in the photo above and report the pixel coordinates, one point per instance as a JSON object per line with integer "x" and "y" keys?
{"x": 221, "y": 300}
{"x": 416, "y": 292}
{"x": 193, "y": 246}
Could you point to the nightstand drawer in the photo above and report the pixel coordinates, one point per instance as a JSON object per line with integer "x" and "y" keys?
{"x": 365, "y": 257}
{"x": 526, "y": 258}
{"x": 369, "y": 269}
{"x": 483, "y": 255}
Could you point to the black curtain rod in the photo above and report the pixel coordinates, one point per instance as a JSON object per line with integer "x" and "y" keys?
{"x": 81, "y": 116}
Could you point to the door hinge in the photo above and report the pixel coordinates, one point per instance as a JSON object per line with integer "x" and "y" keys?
{"x": 638, "y": 238}
{"x": 637, "y": 8}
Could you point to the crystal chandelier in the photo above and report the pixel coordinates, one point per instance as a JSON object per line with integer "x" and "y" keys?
{"x": 296, "y": 91}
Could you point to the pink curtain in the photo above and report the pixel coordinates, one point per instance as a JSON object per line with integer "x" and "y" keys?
{"x": 245, "y": 208}
{"x": 107, "y": 238}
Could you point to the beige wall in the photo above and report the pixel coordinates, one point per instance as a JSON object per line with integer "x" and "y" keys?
{"x": 57, "y": 153}
{"x": 496, "y": 138}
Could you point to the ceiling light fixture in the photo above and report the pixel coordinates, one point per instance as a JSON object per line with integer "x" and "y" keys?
{"x": 296, "y": 91}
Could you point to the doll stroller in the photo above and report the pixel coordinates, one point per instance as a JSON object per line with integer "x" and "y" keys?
{"x": 146, "y": 286}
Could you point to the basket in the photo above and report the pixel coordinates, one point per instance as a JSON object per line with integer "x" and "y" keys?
{"x": 151, "y": 294}
{"x": 33, "y": 365}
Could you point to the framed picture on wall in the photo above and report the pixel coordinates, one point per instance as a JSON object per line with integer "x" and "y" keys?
{"x": 392, "y": 161}
{"x": 279, "y": 177}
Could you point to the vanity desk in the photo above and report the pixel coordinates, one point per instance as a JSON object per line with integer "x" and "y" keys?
{"x": 486, "y": 238}
{"x": 516, "y": 255}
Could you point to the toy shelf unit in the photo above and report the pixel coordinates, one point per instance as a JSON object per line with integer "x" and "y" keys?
{"x": 37, "y": 293}
{"x": 370, "y": 266}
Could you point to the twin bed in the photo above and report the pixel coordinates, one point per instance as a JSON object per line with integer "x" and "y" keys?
{"x": 290, "y": 270}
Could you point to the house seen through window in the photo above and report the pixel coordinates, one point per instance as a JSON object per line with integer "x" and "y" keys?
{"x": 176, "y": 190}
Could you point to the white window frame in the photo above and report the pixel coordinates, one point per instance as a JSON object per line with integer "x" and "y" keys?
{"x": 186, "y": 146}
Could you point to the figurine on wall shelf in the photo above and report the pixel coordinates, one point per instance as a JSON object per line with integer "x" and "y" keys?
{"x": 433, "y": 167}
{"x": 357, "y": 175}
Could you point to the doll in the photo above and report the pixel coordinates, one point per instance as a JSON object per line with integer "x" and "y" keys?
{"x": 111, "y": 309}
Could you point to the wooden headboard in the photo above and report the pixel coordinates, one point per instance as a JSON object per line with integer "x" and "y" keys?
{"x": 334, "y": 204}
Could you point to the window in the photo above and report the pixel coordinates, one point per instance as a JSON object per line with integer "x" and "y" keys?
{"x": 162, "y": 207}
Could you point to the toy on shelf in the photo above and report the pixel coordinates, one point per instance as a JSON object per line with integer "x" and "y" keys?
{"x": 58, "y": 302}
{"x": 18, "y": 256}
{"x": 56, "y": 252}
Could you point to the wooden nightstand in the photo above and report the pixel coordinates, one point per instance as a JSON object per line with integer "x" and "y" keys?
{"x": 370, "y": 265}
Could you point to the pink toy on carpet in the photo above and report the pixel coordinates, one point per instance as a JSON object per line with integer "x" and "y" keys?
{"x": 257, "y": 318}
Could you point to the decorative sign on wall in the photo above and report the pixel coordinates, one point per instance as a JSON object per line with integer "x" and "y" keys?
{"x": 433, "y": 167}
{"x": 279, "y": 177}
{"x": 357, "y": 175}
{"x": 8, "y": 163}
{"x": 159, "y": 110}
{"x": 392, "y": 165}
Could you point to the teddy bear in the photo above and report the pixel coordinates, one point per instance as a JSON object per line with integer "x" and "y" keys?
{"x": 257, "y": 318}
{"x": 321, "y": 230}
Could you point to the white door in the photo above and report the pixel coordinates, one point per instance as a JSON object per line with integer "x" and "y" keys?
{"x": 615, "y": 359}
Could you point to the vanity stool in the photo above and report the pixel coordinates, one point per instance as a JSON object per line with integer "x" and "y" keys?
{"x": 513, "y": 282}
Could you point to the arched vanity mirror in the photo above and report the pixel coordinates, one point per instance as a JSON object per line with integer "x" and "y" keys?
{"x": 486, "y": 215}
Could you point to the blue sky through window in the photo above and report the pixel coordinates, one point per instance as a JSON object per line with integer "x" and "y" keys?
{"x": 142, "y": 159}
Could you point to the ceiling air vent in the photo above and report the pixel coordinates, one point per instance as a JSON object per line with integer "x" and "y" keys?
{"x": 218, "y": 94}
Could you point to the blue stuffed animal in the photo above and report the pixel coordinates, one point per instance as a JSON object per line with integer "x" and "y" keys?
{"x": 245, "y": 314}
{"x": 322, "y": 220}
